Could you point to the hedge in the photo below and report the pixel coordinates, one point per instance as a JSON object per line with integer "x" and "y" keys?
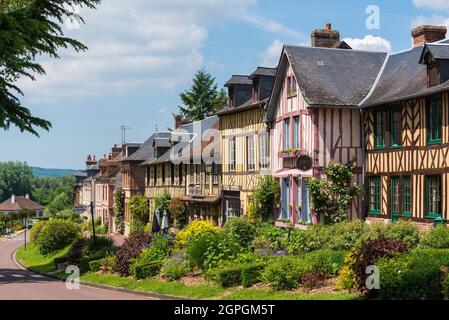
{"x": 142, "y": 271}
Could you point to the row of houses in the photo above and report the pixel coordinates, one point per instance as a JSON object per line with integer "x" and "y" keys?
{"x": 324, "y": 102}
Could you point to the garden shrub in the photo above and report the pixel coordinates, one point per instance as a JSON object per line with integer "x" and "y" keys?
{"x": 284, "y": 272}
{"x": 313, "y": 279}
{"x": 193, "y": 230}
{"x": 131, "y": 249}
{"x": 326, "y": 261}
{"x": 56, "y": 234}
{"x": 414, "y": 276}
{"x": 84, "y": 261}
{"x": 229, "y": 276}
{"x": 276, "y": 238}
{"x": 157, "y": 251}
{"x": 400, "y": 230}
{"x": 220, "y": 248}
{"x": 240, "y": 230}
{"x": 345, "y": 280}
{"x": 35, "y": 230}
{"x": 143, "y": 271}
{"x": 250, "y": 274}
{"x": 74, "y": 254}
{"x": 87, "y": 247}
{"x": 174, "y": 269}
{"x": 369, "y": 252}
{"x": 95, "y": 265}
{"x": 196, "y": 251}
{"x": 437, "y": 238}
{"x": 107, "y": 264}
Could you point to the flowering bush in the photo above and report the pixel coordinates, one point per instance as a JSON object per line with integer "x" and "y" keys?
{"x": 193, "y": 230}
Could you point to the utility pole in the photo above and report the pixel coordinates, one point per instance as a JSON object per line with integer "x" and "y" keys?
{"x": 124, "y": 128}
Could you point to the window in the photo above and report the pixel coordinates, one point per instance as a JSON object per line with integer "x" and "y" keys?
{"x": 285, "y": 198}
{"x": 291, "y": 86}
{"x": 197, "y": 174}
{"x": 163, "y": 174}
{"x": 396, "y": 127}
{"x": 180, "y": 170}
{"x": 192, "y": 173}
{"x": 379, "y": 129}
{"x": 395, "y": 197}
{"x": 264, "y": 161}
{"x": 232, "y": 208}
{"x": 154, "y": 175}
{"x": 217, "y": 173}
{"x": 172, "y": 173}
{"x": 433, "y": 199}
{"x": 251, "y": 164}
{"x": 407, "y": 196}
{"x": 296, "y": 132}
{"x": 374, "y": 195}
{"x": 286, "y": 134}
{"x": 434, "y": 120}
{"x": 232, "y": 154}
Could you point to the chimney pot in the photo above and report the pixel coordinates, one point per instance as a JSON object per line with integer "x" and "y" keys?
{"x": 427, "y": 34}
{"x": 328, "y": 26}
{"x": 27, "y": 196}
{"x": 13, "y": 198}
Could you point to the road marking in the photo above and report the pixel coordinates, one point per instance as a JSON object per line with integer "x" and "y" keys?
{"x": 1, "y": 276}
{"x": 37, "y": 276}
{"x": 18, "y": 276}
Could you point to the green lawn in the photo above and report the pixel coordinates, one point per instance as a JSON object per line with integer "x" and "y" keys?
{"x": 32, "y": 258}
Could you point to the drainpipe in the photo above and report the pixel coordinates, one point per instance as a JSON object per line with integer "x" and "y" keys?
{"x": 362, "y": 202}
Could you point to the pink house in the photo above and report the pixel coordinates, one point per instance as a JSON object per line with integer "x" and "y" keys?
{"x": 314, "y": 118}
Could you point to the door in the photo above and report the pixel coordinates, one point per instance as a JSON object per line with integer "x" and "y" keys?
{"x": 305, "y": 209}
{"x": 395, "y": 198}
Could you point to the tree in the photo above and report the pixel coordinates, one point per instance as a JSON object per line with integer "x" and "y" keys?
{"x": 265, "y": 196}
{"x": 30, "y": 28}
{"x": 119, "y": 210}
{"x": 61, "y": 202}
{"x": 15, "y": 178}
{"x": 178, "y": 212}
{"x": 203, "y": 99}
{"x": 332, "y": 196}
{"x": 138, "y": 206}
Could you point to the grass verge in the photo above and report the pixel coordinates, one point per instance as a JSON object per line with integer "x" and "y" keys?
{"x": 34, "y": 260}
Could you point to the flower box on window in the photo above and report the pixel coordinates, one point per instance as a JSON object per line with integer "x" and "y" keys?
{"x": 289, "y": 153}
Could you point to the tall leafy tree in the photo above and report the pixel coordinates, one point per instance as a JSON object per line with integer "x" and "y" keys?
{"x": 30, "y": 28}
{"x": 203, "y": 99}
{"x": 15, "y": 178}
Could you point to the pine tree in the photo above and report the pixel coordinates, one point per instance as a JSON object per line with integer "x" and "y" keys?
{"x": 203, "y": 99}
{"x": 29, "y": 28}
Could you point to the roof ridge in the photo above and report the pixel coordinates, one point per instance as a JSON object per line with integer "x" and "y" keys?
{"x": 374, "y": 86}
{"x": 336, "y": 49}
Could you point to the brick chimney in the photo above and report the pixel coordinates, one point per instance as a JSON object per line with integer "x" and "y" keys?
{"x": 428, "y": 34}
{"x": 325, "y": 38}
{"x": 180, "y": 121}
{"x": 90, "y": 160}
{"x": 116, "y": 151}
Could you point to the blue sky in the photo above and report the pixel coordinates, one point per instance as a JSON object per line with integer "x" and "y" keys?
{"x": 143, "y": 53}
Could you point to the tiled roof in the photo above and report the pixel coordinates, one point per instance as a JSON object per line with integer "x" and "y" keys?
{"x": 264, "y": 71}
{"x": 238, "y": 79}
{"x": 19, "y": 204}
{"x": 146, "y": 151}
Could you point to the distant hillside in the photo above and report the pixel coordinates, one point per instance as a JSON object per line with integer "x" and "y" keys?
{"x": 43, "y": 172}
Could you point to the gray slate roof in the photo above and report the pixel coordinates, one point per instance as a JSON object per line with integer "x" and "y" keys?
{"x": 238, "y": 79}
{"x": 438, "y": 51}
{"x": 146, "y": 151}
{"x": 264, "y": 71}
{"x": 403, "y": 77}
{"x": 328, "y": 77}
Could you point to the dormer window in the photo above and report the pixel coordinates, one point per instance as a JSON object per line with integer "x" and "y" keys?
{"x": 436, "y": 58}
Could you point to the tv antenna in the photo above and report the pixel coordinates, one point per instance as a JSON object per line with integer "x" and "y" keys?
{"x": 124, "y": 128}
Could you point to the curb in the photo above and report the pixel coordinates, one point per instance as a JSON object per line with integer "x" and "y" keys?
{"x": 99, "y": 286}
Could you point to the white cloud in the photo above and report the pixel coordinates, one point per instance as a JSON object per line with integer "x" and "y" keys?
{"x": 369, "y": 43}
{"x": 133, "y": 45}
{"x": 432, "y": 20}
{"x": 270, "y": 56}
{"x": 432, "y": 4}
{"x": 272, "y": 26}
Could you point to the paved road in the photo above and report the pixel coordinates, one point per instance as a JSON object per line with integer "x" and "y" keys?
{"x": 19, "y": 284}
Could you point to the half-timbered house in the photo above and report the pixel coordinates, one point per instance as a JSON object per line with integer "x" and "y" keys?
{"x": 182, "y": 167}
{"x": 406, "y": 121}
{"x": 244, "y": 138}
{"x": 313, "y": 116}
